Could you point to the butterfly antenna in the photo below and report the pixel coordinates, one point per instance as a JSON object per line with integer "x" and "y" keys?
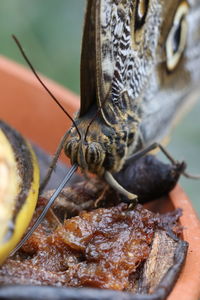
{"x": 45, "y": 210}
{"x": 42, "y": 83}
{"x": 92, "y": 120}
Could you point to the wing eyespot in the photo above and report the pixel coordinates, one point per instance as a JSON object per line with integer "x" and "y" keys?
{"x": 140, "y": 13}
{"x": 177, "y": 37}
{"x": 138, "y": 22}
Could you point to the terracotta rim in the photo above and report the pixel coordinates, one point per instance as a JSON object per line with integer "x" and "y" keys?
{"x": 188, "y": 284}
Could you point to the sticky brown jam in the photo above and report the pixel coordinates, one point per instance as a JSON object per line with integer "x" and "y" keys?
{"x": 102, "y": 248}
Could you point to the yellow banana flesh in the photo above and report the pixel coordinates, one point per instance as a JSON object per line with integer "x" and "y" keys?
{"x": 19, "y": 186}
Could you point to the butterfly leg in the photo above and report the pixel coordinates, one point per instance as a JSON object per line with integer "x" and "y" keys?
{"x": 153, "y": 146}
{"x": 53, "y": 163}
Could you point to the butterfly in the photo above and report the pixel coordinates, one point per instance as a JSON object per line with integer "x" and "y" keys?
{"x": 139, "y": 72}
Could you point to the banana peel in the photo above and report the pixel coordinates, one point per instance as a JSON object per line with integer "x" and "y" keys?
{"x": 19, "y": 187}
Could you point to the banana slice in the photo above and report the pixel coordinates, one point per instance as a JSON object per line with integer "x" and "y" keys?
{"x": 19, "y": 186}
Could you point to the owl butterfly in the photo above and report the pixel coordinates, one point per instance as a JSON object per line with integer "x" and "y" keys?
{"x": 140, "y": 68}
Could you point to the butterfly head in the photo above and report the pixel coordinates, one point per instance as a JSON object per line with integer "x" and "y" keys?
{"x": 100, "y": 150}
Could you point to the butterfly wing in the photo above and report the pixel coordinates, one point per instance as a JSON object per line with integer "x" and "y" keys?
{"x": 169, "y": 94}
{"x": 125, "y": 51}
{"x": 104, "y": 63}
{"x": 88, "y": 60}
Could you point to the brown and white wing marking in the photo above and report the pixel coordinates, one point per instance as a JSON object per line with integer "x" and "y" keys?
{"x": 119, "y": 54}
{"x": 109, "y": 64}
{"x": 113, "y": 60}
{"x": 127, "y": 35}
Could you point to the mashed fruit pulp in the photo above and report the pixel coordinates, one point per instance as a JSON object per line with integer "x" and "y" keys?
{"x": 101, "y": 248}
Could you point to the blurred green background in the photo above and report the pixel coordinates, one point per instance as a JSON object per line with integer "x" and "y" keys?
{"x": 50, "y": 32}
